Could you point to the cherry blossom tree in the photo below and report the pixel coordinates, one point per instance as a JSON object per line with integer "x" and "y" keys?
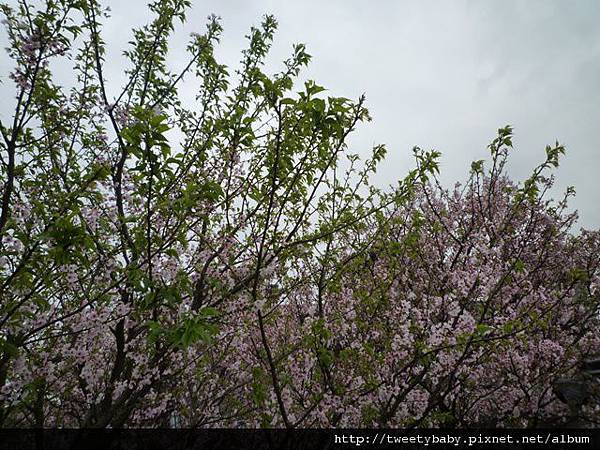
{"x": 229, "y": 263}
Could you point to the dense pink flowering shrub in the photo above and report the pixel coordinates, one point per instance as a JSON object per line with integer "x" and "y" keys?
{"x": 229, "y": 264}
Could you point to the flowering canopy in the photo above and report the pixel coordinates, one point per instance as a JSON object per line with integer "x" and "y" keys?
{"x": 230, "y": 264}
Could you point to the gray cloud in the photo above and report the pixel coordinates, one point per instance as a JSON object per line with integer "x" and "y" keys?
{"x": 441, "y": 75}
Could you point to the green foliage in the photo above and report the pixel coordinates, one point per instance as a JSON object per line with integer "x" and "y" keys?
{"x": 193, "y": 328}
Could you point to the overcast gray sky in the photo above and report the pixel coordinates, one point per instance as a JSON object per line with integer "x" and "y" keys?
{"x": 437, "y": 74}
